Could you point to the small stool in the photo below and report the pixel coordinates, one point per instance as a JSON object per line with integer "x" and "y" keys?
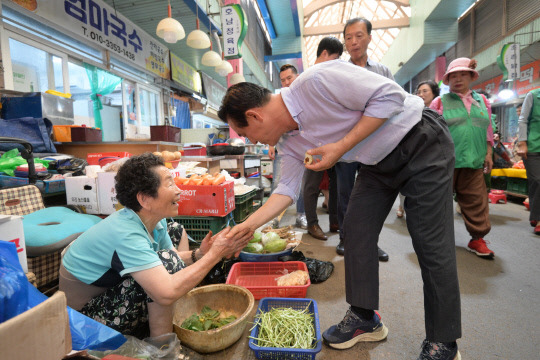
{"x": 496, "y": 195}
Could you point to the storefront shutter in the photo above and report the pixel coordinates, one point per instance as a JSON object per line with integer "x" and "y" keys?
{"x": 488, "y": 22}
{"x": 520, "y": 11}
{"x": 463, "y": 46}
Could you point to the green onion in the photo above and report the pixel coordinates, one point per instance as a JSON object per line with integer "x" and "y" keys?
{"x": 286, "y": 328}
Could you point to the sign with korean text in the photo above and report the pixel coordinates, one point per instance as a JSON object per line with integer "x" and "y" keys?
{"x": 528, "y": 77}
{"x": 234, "y": 23}
{"x": 508, "y": 61}
{"x": 184, "y": 74}
{"x": 213, "y": 91}
{"x": 100, "y": 24}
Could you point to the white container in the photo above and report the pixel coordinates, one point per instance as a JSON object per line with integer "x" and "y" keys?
{"x": 11, "y": 229}
{"x": 82, "y": 191}
{"x": 107, "y": 193}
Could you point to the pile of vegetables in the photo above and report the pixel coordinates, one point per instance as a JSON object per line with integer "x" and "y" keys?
{"x": 270, "y": 242}
{"x": 208, "y": 319}
{"x": 286, "y": 328}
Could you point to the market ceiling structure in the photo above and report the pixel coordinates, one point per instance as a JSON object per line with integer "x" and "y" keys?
{"x": 327, "y": 18}
{"x": 320, "y": 18}
{"x": 295, "y": 26}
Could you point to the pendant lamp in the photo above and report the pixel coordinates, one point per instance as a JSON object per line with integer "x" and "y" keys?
{"x": 224, "y": 68}
{"x": 170, "y": 29}
{"x": 211, "y": 58}
{"x": 237, "y": 78}
{"x": 198, "y": 39}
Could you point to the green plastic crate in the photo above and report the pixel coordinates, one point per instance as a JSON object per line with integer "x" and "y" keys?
{"x": 517, "y": 186}
{"x": 242, "y": 211}
{"x": 197, "y": 227}
{"x": 239, "y": 199}
{"x": 498, "y": 182}
{"x": 243, "y": 206}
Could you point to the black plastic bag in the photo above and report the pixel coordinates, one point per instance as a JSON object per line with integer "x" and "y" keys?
{"x": 75, "y": 166}
{"x": 319, "y": 270}
{"x": 220, "y": 272}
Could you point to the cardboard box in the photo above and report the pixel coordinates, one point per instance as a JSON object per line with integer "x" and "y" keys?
{"x": 39, "y": 333}
{"x": 206, "y": 200}
{"x": 107, "y": 193}
{"x": 11, "y": 229}
{"x": 82, "y": 191}
{"x": 93, "y": 158}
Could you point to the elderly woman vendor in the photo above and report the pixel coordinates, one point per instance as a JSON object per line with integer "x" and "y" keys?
{"x": 124, "y": 272}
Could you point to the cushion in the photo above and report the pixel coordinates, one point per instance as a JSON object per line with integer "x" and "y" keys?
{"x": 51, "y": 229}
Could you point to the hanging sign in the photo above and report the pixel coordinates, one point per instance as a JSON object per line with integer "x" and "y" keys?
{"x": 234, "y": 23}
{"x": 184, "y": 74}
{"x": 508, "y": 61}
{"x": 213, "y": 91}
{"x": 101, "y": 25}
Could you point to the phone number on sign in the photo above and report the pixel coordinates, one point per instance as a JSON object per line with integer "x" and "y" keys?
{"x": 114, "y": 47}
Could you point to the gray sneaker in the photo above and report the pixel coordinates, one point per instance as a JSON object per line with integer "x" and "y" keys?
{"x": 301, "y": 221}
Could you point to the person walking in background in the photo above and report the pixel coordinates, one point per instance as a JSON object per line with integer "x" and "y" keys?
{"x": 287, "y": 74}
{"x": 469, "y": 118}
{"x": 357, "y": 34}
{"x": 427, "y": 90}
{"x": 330, "y": 48}
{"x": 502, "y": 158}
{"x": 529, "y": 150}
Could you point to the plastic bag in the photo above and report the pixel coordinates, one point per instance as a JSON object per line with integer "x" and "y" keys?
{"x": 319, "y": 270}
{"x": 17, "y": 295}
{"x": 220, "y": 272}
{"x": 74, "y": 166}
{"x": 86, "y": 333}
{"x": 13, "y": 289}
{"x": 164, "y": 347}
{"x": 10, "y": 160}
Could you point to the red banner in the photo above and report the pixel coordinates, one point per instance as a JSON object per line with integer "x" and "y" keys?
{"x": 529, "y": 74}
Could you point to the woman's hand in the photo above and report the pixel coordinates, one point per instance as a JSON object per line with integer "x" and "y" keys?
{"x": 227, "y": 245}
{"x": 330, "y": 154}
{"x": 207, "y": 242}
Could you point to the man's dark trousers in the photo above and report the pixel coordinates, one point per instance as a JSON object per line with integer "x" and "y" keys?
{"x": 421, "y": 167}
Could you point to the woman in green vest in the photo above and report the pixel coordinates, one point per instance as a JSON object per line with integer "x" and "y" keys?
{"x": 529, "y": 150}
{"x": 468, "y": 116}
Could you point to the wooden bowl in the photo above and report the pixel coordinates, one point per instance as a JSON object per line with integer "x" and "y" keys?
{"x": 228, "y": 299}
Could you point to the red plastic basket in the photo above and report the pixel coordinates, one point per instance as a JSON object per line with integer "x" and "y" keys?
{"x": 260, "y": 278}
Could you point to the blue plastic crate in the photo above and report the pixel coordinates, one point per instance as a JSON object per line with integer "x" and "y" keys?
{"x": 266, "y": 304}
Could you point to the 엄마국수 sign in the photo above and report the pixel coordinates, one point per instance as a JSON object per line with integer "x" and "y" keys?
{"x": 100, "y": 24}
{"x": 234, "y": 23}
